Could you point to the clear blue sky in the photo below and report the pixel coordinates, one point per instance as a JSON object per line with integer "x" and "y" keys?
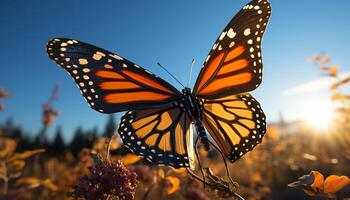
{"x": 169, "y": 32}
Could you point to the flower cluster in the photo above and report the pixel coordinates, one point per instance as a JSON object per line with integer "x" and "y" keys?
{"x": 49, "y": 114}
{"x": 107, "y": 181}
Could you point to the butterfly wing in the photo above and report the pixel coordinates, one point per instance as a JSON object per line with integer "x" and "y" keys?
{"x": 162, "y": 136}
{"x": 109, "y": 82}
{"x": 236, "y": 123}
{"x": 234, "y": 64}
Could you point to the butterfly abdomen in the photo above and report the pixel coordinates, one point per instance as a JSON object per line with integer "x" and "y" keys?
{"x": 202, "y": 134}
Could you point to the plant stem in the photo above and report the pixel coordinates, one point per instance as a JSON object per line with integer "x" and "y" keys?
{"x": 110, "y": 144}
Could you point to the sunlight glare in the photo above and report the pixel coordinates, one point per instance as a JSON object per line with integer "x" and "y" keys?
{"x": 319, "y": 115}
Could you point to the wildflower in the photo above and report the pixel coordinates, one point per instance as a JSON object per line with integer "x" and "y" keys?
{"x": 49, "y": 114}
{"x": 314, "y": 184}
{"x": 107, "y": 181}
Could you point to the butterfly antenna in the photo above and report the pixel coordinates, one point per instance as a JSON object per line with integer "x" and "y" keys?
{"x": 170, "y": 74}
{"x": 191, "y": 68}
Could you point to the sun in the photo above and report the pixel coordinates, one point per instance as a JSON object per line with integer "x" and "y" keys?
{"x": 320, "y": 115}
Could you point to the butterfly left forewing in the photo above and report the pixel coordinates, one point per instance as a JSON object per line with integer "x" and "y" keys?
{"x": 236, "y": 123}
{"x": 109, "y": 82}
{"x": 234, "y": 64}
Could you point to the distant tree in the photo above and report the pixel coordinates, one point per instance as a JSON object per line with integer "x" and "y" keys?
{"x": 58, "y": 146}
{"x": 12, "y": 130}
{"x": 110, "y": 127}
{"x": 80, "y": 140}
{"x": 91, "y": 136}
{"x": 40, "y": 140}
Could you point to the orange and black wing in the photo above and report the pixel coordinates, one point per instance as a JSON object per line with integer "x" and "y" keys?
{"x": 234, "y": 64}
{"x": 109, "y": 82}
{"x": 162, "y": 136}
{"x": 236, "y": 123}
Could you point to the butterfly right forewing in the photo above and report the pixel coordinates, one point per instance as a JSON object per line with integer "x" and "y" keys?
{"x": 234, "y": 64}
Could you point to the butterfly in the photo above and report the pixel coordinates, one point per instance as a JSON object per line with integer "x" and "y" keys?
{"x": 160, "y": 120}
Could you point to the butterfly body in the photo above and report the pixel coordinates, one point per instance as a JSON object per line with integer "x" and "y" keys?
{"x": 194, "y": 109}
{"x": 159, "y": 121}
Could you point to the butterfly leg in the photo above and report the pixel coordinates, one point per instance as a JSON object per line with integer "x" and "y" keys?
{"x": 199, "y": 161}
{"x": 235, "y": 184}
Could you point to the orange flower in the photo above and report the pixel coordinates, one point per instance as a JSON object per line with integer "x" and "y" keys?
{"x": 314, "y": 184}
{"x": 170, "y": 184}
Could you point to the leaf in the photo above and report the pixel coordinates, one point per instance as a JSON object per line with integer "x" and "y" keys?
{"x": 335, "y": 183}
{"x": 340, "y": 97}
{"x": 50, "y": 185}
{"x": 340, "y": 83}
{"x": 8, "y": 147}
{"x": 130, "y": 159}
{"x": 17, "y": 165}
{"x": 306, "y": 180}
{"x": 29, "y": 181}
{"x": 26, "y": 154}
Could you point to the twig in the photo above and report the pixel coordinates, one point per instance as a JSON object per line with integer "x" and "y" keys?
{"x": 228, "y": 190}
{"x": 110, "y": 144}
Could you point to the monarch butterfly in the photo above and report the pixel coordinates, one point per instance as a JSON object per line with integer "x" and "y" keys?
{"x": 159, "y": 121}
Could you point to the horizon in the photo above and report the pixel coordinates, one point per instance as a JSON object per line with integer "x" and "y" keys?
{"x": 165, "y": 32}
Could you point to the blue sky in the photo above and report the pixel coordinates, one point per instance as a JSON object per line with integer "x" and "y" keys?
{"x": 169, "y": 32}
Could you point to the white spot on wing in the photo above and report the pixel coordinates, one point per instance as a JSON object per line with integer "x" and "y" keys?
{"x": 247, "y": 32}
{"x": 230, "y": 33}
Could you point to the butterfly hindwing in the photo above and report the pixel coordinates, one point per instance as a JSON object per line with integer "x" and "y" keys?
{"x": 234, "y": 64}
{"x": 162, "y": 136}
{"x": 236, "y": 123}
{"x": 109, "y": 82}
